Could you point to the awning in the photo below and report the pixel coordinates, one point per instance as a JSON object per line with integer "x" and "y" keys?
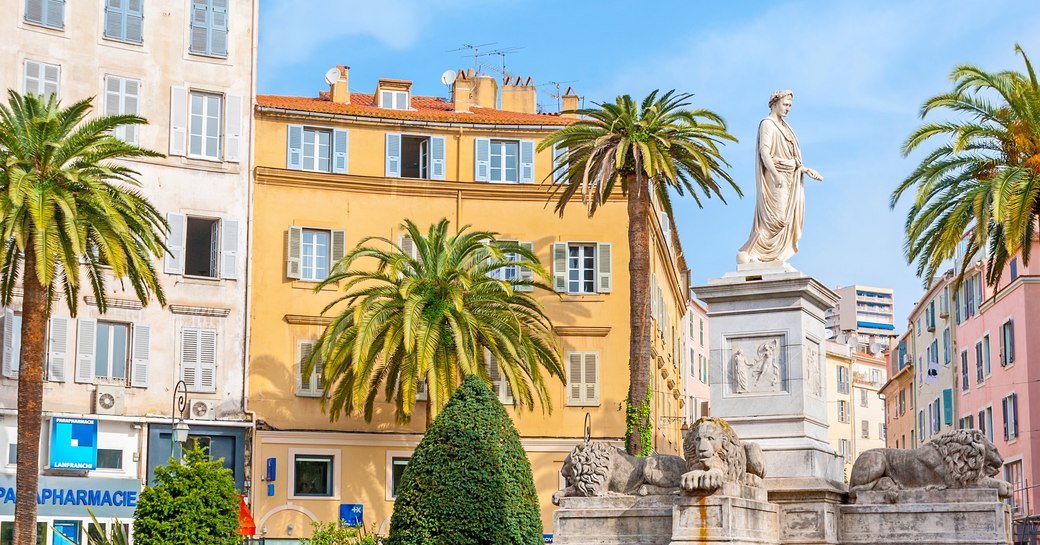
{"x": 246, "y": 526}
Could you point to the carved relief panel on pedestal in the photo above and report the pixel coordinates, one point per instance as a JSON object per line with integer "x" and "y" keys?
{"x": 757, "y": 365}
{"x": 813, "y": 373}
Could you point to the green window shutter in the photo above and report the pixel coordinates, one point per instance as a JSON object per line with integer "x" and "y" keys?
{"x": 947, "y": 402}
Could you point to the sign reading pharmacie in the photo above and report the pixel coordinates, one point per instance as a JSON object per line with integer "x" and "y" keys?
{"x": 72, "y": 496}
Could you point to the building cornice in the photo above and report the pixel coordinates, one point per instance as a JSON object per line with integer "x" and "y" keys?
{"x": 403, "y": 440}
{"x": 386, "y": 121}
{"x": 581, "y": 331}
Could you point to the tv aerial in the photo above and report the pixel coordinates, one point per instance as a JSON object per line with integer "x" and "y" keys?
{"x": 332, "y": 76}
{"x": 474, "y": 52}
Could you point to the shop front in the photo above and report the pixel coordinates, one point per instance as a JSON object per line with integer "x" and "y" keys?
{"x": 65, "y": 503}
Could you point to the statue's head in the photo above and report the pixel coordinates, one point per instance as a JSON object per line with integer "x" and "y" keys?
{"x": 780, "y": 102}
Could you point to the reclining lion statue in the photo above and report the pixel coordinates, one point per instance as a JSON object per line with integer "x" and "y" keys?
{"x": 596, "y": 468}
{"x": 952, "y": 459}
{"x": 715, "y": 455}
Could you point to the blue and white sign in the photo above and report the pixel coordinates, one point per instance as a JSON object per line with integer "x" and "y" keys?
{"x": 73, "y": 443}
{"x": 72, "y": 496}
{"x": 352, "y": 514}
{"x": 547, "y": 538}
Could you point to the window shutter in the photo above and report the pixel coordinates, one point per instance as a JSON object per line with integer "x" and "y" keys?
{"x": 229, "y": 242}
{"x": 560, "y": 266}
{"x": 393, "y": 155}
{"x": 131, "y": 93}
{"x": 218, "y": 28}
{"x": 86, "y": 342}
{"x": 1004, "y": 405}
{"x": 10, "y": 354}
{"x": 199, "y": 26}
{"x": 338, "y": 246}
{"x": 526, "y": 274}
{"x": 438, "y": 153}
{"x": 56, "y": 13}
{"x": 407, "y": 246}
{"x": 1010, "y": 349}
{"x": 142, "y": 355}
{"x": 233, "y": 118}
{"x": 559, "y": 175}
{"x": 114, "y": 17}
{"x": 34, "y": 11}
{"x": 174, "y": 263}
{"x": 1014, "y": 414}
{"x": 32, "y": 80}
{"x": 51, "y": 75}
{"x": 339, "y": 151}
{"x": 603, "y": 264}
{"x": 947, "y": 401}
{"x": 421, "y": 391}
{"x": 527, "y": 161}
{"x": 134, "y": 26}
{"x": 293, "y": 250}
{"x": 574, "y": 380}
{"x": 207, "y": 360}
{"x": 58, "y": 353}
{"x": 305, "y": 388}
{"x": 493, "y": 372}
{"x": 482, "y": 160}
{"x": 591, "y": 379}
{"x": 190, "y": 358}
{"x": 178, "y": 121}
{"x": 294, "y": 147}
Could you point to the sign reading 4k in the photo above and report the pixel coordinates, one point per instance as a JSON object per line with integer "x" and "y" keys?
{"x": 73, "y": 443}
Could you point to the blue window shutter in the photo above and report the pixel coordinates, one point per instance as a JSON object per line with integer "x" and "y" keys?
{"x": 199, "y": 39}
{"x": 438, "y": 153}
{"x": 115, "y": 19}
{"x": 527, "y": 161}
{"x": 294, "y": 148}
{"x": 34, "y": 11}
{"x": 393, "y": 155}
{"x": 482, "y": 160}
{"x": 947, "y": 402}
{"x": 218, "y": 28}
{"x": 339, "y": 151}
{"x": 134, "y": 22}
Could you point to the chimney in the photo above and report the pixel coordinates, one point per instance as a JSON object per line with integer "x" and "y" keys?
{"x": 339, "y": 91}
{"x": 461, "y": 92}
{"x": 569, "y": 101}
{"x": 519, "y": 96}
{"x": 485, "y": 91}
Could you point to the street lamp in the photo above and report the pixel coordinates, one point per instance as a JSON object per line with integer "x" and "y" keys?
{"x": 178, "y": 428}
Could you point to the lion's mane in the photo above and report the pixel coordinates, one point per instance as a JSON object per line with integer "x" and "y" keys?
{"x": 964, "y": 454}
{"x": 590, "y": 466}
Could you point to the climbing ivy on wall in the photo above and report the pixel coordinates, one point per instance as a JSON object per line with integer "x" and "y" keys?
{"x": 641, "y": 415}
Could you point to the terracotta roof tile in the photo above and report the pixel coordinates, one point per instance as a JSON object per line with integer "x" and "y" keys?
{"x": 425, "y": 108}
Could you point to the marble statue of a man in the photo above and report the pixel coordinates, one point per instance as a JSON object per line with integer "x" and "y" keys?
{"x": 780, "y": 204}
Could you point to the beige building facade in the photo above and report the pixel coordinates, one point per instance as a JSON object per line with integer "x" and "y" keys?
{"x": 856, "y": 412}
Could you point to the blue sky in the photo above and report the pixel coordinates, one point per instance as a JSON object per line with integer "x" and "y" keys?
{"x": 859, "y": 70}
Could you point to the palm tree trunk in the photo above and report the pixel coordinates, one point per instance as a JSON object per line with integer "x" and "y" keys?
{"x": 639, "y": 287}
{"x": 30, "y": 400}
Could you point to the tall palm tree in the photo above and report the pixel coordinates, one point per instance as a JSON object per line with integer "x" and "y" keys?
{"x": 982, "y": 182}
{"x": 64, "y": 201}
{"x": 640, "y": 149}
{"x": 433, "y": 317}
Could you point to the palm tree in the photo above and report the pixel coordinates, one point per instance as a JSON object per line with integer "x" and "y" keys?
{"x": 63, "y": 202}
{"x": 434, "y": 317}
{"x": 640, "y": 150}
{"x": 982, "y": 183}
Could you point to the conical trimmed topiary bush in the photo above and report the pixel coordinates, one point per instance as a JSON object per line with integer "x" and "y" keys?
{"x": 469, "y": 481}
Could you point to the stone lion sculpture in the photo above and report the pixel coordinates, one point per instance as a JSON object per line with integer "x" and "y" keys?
{"x": 596, "y": 468}
{"x": 715, "y": 455}
{"x": 953, "y": 459}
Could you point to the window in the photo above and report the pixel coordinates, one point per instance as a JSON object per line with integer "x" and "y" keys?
{"x": 864, "y": 398}
{"x": 205, "y": 123}
{"x": 946, "y": 346}
{"x": 415, "y": 156}
{"x": 843, "y": 410}
{"x": 701, "y": 320}
{"x": 507, "y": 161}
{"x": 865, "y": 429}
{"x": 313, "y": 475}
{"x": 66, "y": 531}
{"x": 111, "y": 354}
{"x": 209, "y": 27}
{"x": 313, "y": 252}
{"x": 881, "y": 431}
{"x": 930, "y": 316}
{"x": 843, "y": 379}
{"x": 7, "y": 533}
{"x": 1013, "y": 474}
{"x": 397, "y": 467}
{"x": 312, "y": 385}
{"x": 979, "y": 374}
{"x": 936, "y": 411}
{"x": 1007, "y": 343}
{"x": 515, "y": 273}
{"x": 199, "y": 359}
{"x": 582, "y": 378}
{"x": 875, "y": 376}
{"x": 704, "y": 369}
{"x": 122, "y": 97}
{"x": 205, "y": 247}
{"x": 49, "y": 13}
{"x": 964, "y": 371}
{"x": 499, "y": 382}
{"x": 317, "y": 149}
{"x": 1014, "y": 268}
{"x": 902, "y": 402}
{"x": 12, "y": 454}
{"x": 108, "y": 458}
{"x": 41, "y": 78}
{"x": 986, "y": 422}
{"x": 582, "y": 267}
{"x": 1010, "y": 408}
{"x": 394, "y": 100}
{"x": 966, "y": 423}
{"x": 124, "y": 20}
{"x": 843, "y": 449}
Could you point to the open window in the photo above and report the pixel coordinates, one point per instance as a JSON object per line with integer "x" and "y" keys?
{"x": 202, "y": 247}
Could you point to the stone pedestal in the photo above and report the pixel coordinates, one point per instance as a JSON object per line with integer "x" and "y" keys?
{"x": 739, "y": 515}
{"x": 614, "y": 520}
{"x": 926, "y": 517}
{"x": 767, "y": 381}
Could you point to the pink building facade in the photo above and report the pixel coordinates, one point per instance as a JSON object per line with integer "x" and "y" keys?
{"x": 998, "y": 372}
{"x": 695, "y": 361}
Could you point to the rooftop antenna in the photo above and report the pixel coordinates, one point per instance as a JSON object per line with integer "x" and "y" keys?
{"x": 502, "y": 52}
{"x": 448, "y": 78}
{"x": 475, "y": 52}
{"x": 556, "y": 93}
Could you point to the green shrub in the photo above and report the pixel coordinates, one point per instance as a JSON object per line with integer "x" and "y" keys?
{"x": 192, "y": 503}
{"x": 469, "y": 480}
{"x": 334, "y": 533}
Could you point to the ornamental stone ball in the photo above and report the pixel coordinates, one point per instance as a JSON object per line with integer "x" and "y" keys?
{"x": 780, "y": 193}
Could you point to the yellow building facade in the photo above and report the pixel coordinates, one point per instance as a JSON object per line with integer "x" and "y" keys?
{"x": 856, "y": 411}
{"x": 334, "y": 169}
